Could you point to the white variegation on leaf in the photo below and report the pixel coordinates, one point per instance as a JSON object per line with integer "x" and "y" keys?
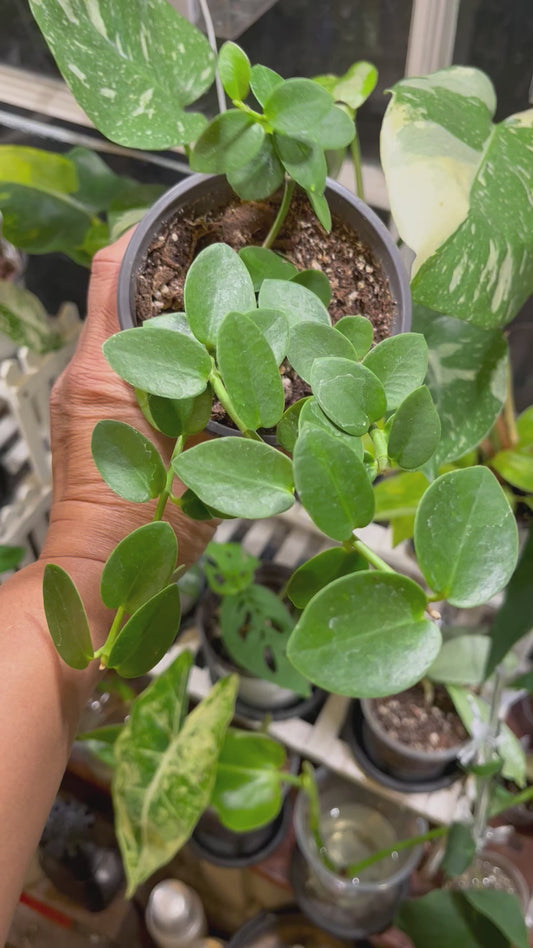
{"x": 460, "y": 193}
{"x": 133, "y": 66}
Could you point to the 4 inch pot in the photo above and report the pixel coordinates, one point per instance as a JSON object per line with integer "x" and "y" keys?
{"x": 255, "y": 696}
{"x": 398, "y": 759}
{"x": 207, "y": 192}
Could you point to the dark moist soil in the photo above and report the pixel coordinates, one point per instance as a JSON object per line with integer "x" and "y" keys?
{"x": 407, "y": 717}
{"x": 357, "y": 280}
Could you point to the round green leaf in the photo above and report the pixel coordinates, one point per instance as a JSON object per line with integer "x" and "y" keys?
{"x": 317, "y": 282}
{"x": 159, "y": 361}
{"x": 415, "y": 430}
{"x": 185, "y": 416}
{"x": 320, "y": 571}
{"x": 127, "y": 461}
{"x": 466, "y": 537}
{"x": 303, "y": 160}
{"x": 332, "y": 484}
{"x": 515, "y": 466}
{"x": 296, "y": 302}
{"x": 358, "y": 329}
{"x": 354, "y": 87}
{"x": 261, "y": 176}
{"x": 247, "y": 791}
{"x": 309, "y": 341}
{"x": 296, "y": 105}
{"x": 312, "y": 416}
{"x": 234, "y": 70}
{"x": 176, "y": 321}
{"x": 349, "y": 393}
{"x": 373, "y": 620}
{"x": 264, "y": 264}
{"x": 147, "y": 635}
{"x": 239, "y": 477}
{"x": 335, "y": 130}
{"x": 275, "y": 328}
{"x": 400, "y": 364}
{"x": 462, "y": 660}
{"x": 250, "y": 372}
{"x": 263, "y": 82}
{"x": 230, "y": 141}
{"x": 217, "y": 283}
{"x": 139, "y": 567}
{"x": 287, "y": 429}
{"x": 66, "y": 617}
{"x": 132, "y": 67}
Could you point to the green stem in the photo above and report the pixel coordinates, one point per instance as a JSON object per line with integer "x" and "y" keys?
{"x": 355, "y": 149}
{"x": 523, "y": 797}
{"x": 311, "y": 789}
{"x": 165, "y": 494}
{"x": 111, "y": 636}
{"x": 359, "y": 547}
{"x": 260, "y": 119}
{"x": 379, "y": 441}
{"x": 281, "y": 215}
{"x": 482, "y": 803}
{"x": 356, "y": 868}
{"x": 218, "y": 387}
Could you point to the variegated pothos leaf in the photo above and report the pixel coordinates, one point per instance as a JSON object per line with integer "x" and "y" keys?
{"x": 132, "y": 65}
{"x": 460, "y": 192}
{"x": 166, "y": 768}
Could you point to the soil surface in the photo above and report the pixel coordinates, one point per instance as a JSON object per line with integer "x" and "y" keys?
{"x": 409, "y": 718}
{"x": 357, "y": 281}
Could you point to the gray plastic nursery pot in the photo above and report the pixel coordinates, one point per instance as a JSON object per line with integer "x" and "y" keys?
{"x": 397, "y": 759}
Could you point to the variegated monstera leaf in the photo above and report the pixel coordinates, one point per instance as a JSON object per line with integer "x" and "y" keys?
{"x": 460, "y": 190}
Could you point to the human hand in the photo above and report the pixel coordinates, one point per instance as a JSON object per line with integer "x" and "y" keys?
{"x": 87, "y": 519}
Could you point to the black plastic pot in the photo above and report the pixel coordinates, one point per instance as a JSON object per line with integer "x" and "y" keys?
{"x": 223, "y": 847}
{"x": 256, "y": 698}
{"x": 205, "y": 192}
{"x": 394, "y": 764}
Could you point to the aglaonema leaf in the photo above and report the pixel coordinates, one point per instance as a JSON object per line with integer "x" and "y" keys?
{"x": 166, "y": 768}
{"x": 147, "y": 635}
{"x": 349, "y": 393}
{"x": 66, "y": 617}
{"x": 373, "y": 619}
{"x": 139, "y": 567}
{"x": 415, "y": 430}
{"x": 217, "y": 283}
{"x": 128, "y": 462}
{"x": 320, "y": 571}
{"x": 234, "y": 70}
{"x": 133, "y": 70}
{"x": 250, "y": 372}
{"x": 247, "y": 792}
{"x": 400, "y": 363}
{"x": 309, "y": 341}
{"x": 466, "y": 537}
{"x": 256, "y": 626}
{"x": 241, "y": 478}
{"x": 159, "y": 361}
{"x": 332, "y": 484}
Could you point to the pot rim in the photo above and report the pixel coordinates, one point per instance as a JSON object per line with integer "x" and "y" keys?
{"x": 372, "y": 721}
{"x": 164, "y": 205}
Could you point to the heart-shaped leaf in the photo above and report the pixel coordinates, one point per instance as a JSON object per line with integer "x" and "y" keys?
{"x": 166, "y": 767}
{"x": 400, "y": 364}
{"x": 234, "y": 70}
{"x": 358, "y": 329}
{"x": 147, "y": 635}
{"x": 373, "y": 620}
{"x": 128, "y": 462}
{"x": 231, "y": 140}
{"x": 241, "y": 478}
{"x": 296, "y": 302}
{"x": 250, "y": 372}
{"x": 317, "y": 282}
{"x": 349, "y": 393}
{"x": 133, "y": 69}
{"x": 66, "y": 617}
{"x": 295, "y": 106}
{"x": 139, "y": 567}
{"x": 247, "y": 792}
{"x": 255, "y": 628}
{"x": 320, "y": 571}
{"x": 312, "y": 416}
{"x": 466, "y": 537}
{"x": 415, "y": 430}
{"x": 332, "y": 484}
{"x": 217, "y": 283}
{"x": 309, "y": 341}
{"x": 263, "y": 264}
{"x": 159, "y": 361}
